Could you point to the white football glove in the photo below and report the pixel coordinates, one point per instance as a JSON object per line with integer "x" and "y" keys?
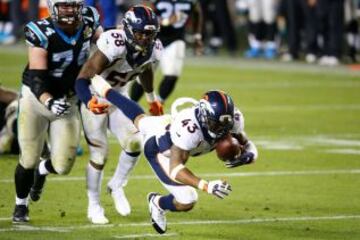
{"x": 219, "y": 188}
{"x": 59, "y": 107}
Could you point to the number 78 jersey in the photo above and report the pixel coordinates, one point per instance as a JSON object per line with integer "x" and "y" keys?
{"x": 125, "y": 65}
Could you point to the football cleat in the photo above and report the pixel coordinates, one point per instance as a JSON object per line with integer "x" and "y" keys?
{"x": 96, "y": 215}
{"x": 121, "y": 203}
{"x": 158, "y": 218}
{"x": 37, "y": 187}
{"x": 21, "y": 214}
{"x": 253, "y": 53}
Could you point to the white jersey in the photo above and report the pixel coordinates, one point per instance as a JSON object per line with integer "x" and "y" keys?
{"x": 124, "y": 66}
{"x": 185, "y": 132}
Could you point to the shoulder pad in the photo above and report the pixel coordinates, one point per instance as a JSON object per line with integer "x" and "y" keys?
{"x": 91, "y": 16}
{"x": 185, "y": 132}
{"x": 37, "y": 33}
{"x": 112, "y": 44}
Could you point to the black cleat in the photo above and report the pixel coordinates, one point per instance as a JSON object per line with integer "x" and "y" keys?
{"x": 21, "y": 214}
{"x": 37, "y": 187}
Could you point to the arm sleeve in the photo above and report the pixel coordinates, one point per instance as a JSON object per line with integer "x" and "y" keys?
{"x": 34, "y": 36}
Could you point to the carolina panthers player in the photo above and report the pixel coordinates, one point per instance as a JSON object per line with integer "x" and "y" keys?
{"x": 8, "y": 110}
{"x": 171, "y": 140}
{"x": 122, "y": 55}
{"x": 174, "y": 16}
{"x": 58, "y": 47}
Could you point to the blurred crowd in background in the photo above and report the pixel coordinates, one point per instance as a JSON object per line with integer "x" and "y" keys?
{"x": 316, "y": 31}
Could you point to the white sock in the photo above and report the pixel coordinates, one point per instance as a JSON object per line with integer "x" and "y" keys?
{"x": 125, "y": 164}
{"x": 93, "y": 181}
{"x": 42, "y": 168}
{"x": 21, "y": 201}
{"x": 8, "y": 27}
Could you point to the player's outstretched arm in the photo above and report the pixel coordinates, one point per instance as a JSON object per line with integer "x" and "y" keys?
{"x": 130, "y": 108}
{"x": 94, "y": 65}
{"x": 181, "y": 174}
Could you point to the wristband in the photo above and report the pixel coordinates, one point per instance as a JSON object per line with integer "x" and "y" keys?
{"x": 150, "y": 97}
{"x": 203, "y": 185}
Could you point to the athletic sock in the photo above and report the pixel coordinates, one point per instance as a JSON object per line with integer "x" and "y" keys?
{"x": 167, "y": 203}
{"x": 126, "y": 163}
{"x": 24, "y": 179}
{"x": 93, "y": 181}
{"x": 136, "y": 91}
{"x": 167, "y": 86}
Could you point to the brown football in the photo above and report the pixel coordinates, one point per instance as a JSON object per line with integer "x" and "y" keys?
{"x": 227, "y": 148}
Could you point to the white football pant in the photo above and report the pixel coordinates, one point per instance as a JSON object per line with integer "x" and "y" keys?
{"x": 172, "y": 58}
{"x": 35, "y": 121}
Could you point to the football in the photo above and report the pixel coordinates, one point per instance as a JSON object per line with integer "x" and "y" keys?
{"x": 227, "y": 148}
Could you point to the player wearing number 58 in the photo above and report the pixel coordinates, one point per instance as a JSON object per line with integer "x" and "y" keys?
{"x": 123, "y": 54}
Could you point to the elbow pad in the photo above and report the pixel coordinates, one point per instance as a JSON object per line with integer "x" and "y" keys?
{"x": 38, "y": 83}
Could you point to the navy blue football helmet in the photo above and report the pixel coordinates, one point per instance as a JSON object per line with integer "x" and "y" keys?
{"x": 216, "y": 113}
{"x": 141, "y": 27}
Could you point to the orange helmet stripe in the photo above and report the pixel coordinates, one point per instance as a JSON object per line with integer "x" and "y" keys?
{"x": 224, "y": 100}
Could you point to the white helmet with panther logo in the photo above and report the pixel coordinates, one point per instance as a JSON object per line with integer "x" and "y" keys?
{"x": 66, "y": 11}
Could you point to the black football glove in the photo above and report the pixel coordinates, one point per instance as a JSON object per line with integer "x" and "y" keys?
{"x": 245, "y": 158}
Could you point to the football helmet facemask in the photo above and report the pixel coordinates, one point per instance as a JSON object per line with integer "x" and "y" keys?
{"x": 66, "y": 11}
{"x": 141, "y": 27}
{"x": 216, "y": 113}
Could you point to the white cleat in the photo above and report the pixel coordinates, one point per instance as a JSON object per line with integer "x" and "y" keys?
{"x": 96, "y": 215}
{"x": 121, "y": 203}
{"x": 158, "y": 218}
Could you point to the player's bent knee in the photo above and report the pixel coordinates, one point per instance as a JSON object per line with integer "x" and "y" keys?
{"x": 184, "y": 207}
{"x": 134, "y": 145}
{"x": 62, "y": 167}
{"x": 98, "y": 158}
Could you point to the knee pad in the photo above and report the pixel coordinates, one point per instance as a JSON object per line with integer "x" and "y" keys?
{"x": 98, "y": 157}
{"x": 133, "y": 144}
{"x": 190, "y": 196}
{"x": 62, "y": 165}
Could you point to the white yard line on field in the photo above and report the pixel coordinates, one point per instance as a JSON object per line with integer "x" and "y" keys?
{"x": 192, "y": 222}
{"x": 344, "y": 151}
{"x": 152, "y": 235}
{"x": 235, "y": 174}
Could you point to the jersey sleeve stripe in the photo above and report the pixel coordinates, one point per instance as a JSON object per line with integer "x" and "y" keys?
{"x": 39, "y": 34}
{"x": 96, "y": 17}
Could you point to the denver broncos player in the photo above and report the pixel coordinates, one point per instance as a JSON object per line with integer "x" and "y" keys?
{"x": 58, "y": 47}
{"x": 122, "y": 55}
{"x": 171, "y": 140}
{"x": 174, "y": 16}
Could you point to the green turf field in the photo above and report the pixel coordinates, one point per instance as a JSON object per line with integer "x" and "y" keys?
{"x": 305, "y": 121}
